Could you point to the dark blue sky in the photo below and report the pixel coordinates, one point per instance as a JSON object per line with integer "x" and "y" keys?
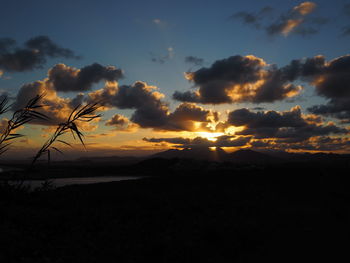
{"x": 122, "y": 33}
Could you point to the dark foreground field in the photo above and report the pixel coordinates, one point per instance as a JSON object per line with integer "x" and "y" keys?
{"x": 279, "y": 216}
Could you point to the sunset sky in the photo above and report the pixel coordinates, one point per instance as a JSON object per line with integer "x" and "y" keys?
{"x": 266, "y": 75}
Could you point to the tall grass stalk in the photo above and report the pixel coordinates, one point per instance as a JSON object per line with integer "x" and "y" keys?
{"x": 80, "y": 113}
{"x": 19, "y": 118}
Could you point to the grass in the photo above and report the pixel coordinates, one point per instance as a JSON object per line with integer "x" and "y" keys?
{"x": 20, "y": 117}
{"x": 79, "y": 114}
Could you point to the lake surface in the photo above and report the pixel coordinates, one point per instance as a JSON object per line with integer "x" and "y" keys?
{"x": 59, "y": 182}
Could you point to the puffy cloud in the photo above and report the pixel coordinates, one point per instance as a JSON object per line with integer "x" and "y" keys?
{"x": 288, "y": 126}
{"x": 331, "y": 80}
{"x": 150, "y": 110}
{"x": 240, "y": 79}
{"x": 121, "y": 123}
{"x": 250, "y": 79}
{"x": 65, "y": 78}
{"x": 187, "y": 116}
{"x": 33, "y": 55}
{"x": 56, "y": 108}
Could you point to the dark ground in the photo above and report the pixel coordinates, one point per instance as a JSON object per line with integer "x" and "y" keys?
{"x": 274, "y": 214}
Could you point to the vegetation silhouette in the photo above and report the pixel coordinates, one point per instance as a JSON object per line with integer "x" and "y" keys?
{"x": 20, "y": 117}
{"x": 84, "y": 113}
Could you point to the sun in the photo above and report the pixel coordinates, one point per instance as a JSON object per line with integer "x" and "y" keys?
{"x": 210, "y": 136}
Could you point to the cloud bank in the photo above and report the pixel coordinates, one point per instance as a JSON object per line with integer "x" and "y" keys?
{"x": 32, "y": 55}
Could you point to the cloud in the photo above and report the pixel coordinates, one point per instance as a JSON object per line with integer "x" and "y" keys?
{"x": 121, "y": 123}
{"x": 150, "y": 111}
{"x": 253, "y": 18}
{"x": 161, "y": 59}
{"x": 250, "y": 79}
{"x": 331, "y": 80}
{"x": 196, "y": 61}
{"x": 289, "y": 21}
{"x": 345, "y": 31}
{"x": 65, "y": 78}
{"x": 240, "y": 79}
{"x": 346, "y": 9}
{"x": 288, "y": 126}
{"x": 33, "y": 55}
{"x": 295, "y": 20}
{"x": 56, "y": 108}
{"x": 198, "y": 142}
{"x": 319, "y": 143}
{"x": 190, "y": 117}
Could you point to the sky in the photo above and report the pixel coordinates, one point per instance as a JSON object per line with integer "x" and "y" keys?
{"x": 265, "y": 75}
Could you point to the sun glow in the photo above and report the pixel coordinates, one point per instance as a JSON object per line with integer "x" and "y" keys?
{"x": 211, "y": 136}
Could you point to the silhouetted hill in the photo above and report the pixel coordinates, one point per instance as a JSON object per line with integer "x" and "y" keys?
{"x": 217, "y": 155}
{"x": 250, "y": 156}
{"x": 207, "y": 154}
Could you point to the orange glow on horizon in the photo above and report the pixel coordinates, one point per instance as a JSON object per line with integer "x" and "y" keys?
{"x": 211, "y": 136}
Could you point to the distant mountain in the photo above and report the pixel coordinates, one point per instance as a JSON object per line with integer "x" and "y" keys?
{"x": 216, "y": 155}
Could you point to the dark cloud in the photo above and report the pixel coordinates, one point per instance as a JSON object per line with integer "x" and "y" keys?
{"x": 240, "y": 79}
{"x": 121, "y": 123}
{"x": 270, "y": 119}
{"x": 346, "y": 9}
{"x": 176, "y": 140}
{"x": 64, "y": 78}
{"x": 320, "y": 143}
{"x": 161, "y": 59}
{"x": 187, "y": 115}
{"x": 291, "y": 20}
{"x": 151, "y": 111}
{"x": 194, "y": 60}
{"x": 253, "y": 18}
{"x": 296, "y": 20}
{"x": 288, "y": 126}
{"x": 331, "y": 80}
{"x": 345, "y": 31}
{"x": 198, "y": 142}
{"x": 32, "y": 55}
{"x": 250, "y": 79}
{"x": 47, "y": 47}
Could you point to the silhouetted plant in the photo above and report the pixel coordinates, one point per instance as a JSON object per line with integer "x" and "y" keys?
{"x": 19, "y": 118}
{"x": 80, "y": 113}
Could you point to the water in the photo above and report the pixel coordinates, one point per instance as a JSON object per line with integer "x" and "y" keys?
{"x": 59, "y": 182}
